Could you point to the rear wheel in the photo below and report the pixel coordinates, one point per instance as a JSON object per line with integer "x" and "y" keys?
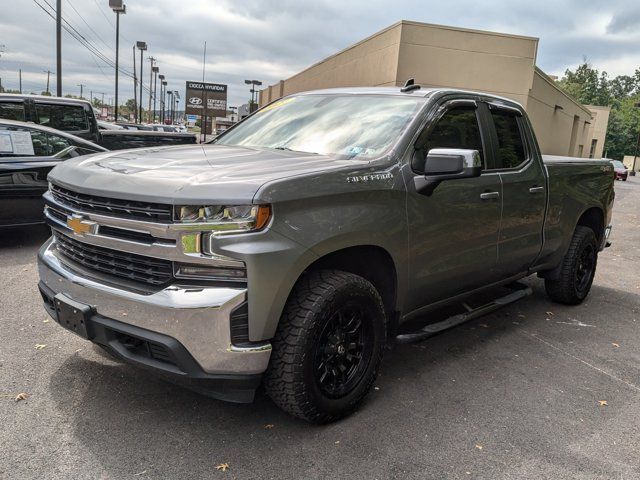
{"x": 328, "y": 346}
{"x": 571, "y": 286}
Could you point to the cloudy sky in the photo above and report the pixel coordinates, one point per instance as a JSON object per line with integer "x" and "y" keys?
{"x": 273, "y": 39}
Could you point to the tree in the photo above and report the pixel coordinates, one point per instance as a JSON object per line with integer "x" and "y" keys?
{"x": 589, "y": 86}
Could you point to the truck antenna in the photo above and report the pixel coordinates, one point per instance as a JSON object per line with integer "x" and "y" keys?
{"x": 409, "y": 86}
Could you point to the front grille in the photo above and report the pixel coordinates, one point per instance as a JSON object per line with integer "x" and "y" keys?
{"x": 136, "y": 268}
{"x": 151, "y": 212}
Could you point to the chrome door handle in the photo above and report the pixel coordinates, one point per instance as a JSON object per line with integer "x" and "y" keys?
{"x": 489, "y": 195}
{"x": 536, "y": 190}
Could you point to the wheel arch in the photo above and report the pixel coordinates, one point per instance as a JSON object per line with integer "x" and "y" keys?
{"x": 594, "y": 219}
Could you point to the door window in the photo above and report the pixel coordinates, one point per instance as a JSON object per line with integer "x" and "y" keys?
{"x": 27, "y": 142}
{"x": 12, "y": 111}
{"x": 457, "y": 128}
{"x": 510, "y": 148}
{"x": 68, "y": 118}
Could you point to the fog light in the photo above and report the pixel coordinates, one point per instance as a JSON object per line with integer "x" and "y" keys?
{"x": 227, "y": 270}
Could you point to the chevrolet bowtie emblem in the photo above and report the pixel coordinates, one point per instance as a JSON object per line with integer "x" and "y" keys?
{"x": 80, "y": 226}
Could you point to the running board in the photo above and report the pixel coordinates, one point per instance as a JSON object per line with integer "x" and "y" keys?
{"x": 520, "y": 291}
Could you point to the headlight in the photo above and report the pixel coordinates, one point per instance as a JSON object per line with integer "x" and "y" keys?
{"x": 225, "y": 219}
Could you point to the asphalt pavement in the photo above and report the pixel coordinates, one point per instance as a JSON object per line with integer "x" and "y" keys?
{"x": 533, "y": 391}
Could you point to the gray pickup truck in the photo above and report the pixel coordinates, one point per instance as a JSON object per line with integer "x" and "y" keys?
{"x": 289, "y": 249}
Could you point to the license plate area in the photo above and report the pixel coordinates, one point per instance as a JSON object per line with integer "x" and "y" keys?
{"x": 73, "y": 315}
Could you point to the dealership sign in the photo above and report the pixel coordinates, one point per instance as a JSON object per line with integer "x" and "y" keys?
{"x": 208, "y": 99}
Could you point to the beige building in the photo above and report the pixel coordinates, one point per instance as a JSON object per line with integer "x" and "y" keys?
{"x": 441, "y": 56}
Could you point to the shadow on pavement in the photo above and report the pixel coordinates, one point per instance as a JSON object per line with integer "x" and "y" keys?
{"x": 484, "y": 381}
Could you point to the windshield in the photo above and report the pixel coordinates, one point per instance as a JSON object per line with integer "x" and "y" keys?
{"x": 362, "y": 126}
{"x": 618, "y": 164}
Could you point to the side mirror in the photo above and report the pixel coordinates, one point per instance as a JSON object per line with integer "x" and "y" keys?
{"x": 447, "y": 164}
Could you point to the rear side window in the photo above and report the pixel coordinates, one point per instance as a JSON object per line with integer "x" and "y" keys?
{"x": 12, "y": 111}
{"x": 511, "y": 153}
{"x": 68, "y": 118}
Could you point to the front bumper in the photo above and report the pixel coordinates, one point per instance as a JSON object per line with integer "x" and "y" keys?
{"x": 192, "y": 323}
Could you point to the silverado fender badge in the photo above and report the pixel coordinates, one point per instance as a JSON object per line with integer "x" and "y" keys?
{"x": 369, "y": 178}
{"x": 80, "y": 226}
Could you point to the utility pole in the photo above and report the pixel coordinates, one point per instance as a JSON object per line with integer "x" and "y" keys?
{"x": 151, "y": 60}
{"x": 118, "y": 7}
{"x": 155, "y": 69}
{"x": 142, "y": 46}
{"x": 135, "y": 88}
{"x": 48, "y": 72}
{"x": 58, "y": 49}
{"x": 81, "y": 85}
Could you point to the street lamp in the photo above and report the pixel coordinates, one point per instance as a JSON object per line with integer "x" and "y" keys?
{"x": 119, "y": 7}
{"x": 163, "y": 93}
{"x": 161, "y": 116}
{"x": 142, "y": 46}
{"x": 170, "y": 93}
{"x": 176, "y": 97}
{"x": 254, "y": 84}
{"x": 155, "y": 90}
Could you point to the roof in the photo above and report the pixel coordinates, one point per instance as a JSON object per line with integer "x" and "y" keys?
{"x": 21, "y": 96}
{"x": 421, "y": 92}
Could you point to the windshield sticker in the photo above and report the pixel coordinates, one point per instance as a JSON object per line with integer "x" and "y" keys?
{"x": 6, "y": 146}
{"x": 17, "y": 143}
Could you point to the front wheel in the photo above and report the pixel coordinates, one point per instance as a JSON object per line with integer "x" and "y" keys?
{"x": 573, "y": 282}
{"x": 328, "y": 346}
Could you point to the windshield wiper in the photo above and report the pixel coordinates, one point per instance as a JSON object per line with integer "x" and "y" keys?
{"x": 282, "y": 147}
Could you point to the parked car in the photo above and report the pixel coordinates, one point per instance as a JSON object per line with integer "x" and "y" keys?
{"x": 27, "y": 153}
{"x": 289, "y": 249}
{"x": 77, "y": 117}
{"x": 622, "y": 173}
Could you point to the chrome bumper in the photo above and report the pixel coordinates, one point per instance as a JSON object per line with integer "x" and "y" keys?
{"x": 197, "y": 317}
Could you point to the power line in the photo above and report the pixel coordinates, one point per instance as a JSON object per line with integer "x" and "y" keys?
{"x": 71, "y": 30}
{"x": 88, "y": 26}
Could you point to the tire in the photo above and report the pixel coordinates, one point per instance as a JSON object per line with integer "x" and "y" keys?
{"x": 576, "y": 272}
{"x": 309, "y": 348}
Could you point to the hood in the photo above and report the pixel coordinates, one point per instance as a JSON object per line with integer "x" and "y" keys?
{"x": 187, "y": 174}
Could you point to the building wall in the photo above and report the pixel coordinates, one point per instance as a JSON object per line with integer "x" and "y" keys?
{"x": 598, "y": 128}
{"x": 628, "y": 161}
{"x": 441, "y": 56}
{"x": 371, "y": 62}
{"x": 561, "y": 124}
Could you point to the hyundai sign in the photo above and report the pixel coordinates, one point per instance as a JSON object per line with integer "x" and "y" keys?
{"x": 208, "y": 99}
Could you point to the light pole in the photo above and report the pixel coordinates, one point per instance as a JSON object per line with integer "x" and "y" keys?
{"x": 155, "y": 90}
{"x": 170, "y": 93}
{"x": 119, "y": 7}
{"x": 176, "y": 97}
{"x": 254, "y": 84}
{"x": 59, "y": 48}
{"x": 161, "y": 100}
{"x": 142, "y": 46}
{"x": 163, "y": 93}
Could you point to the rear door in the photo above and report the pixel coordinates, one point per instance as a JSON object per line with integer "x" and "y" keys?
{"x": 453, "y": 232}
{"x": 523, "y": 189}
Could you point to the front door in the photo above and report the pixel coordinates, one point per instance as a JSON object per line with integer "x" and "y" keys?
{"x": 453, "y": 233}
